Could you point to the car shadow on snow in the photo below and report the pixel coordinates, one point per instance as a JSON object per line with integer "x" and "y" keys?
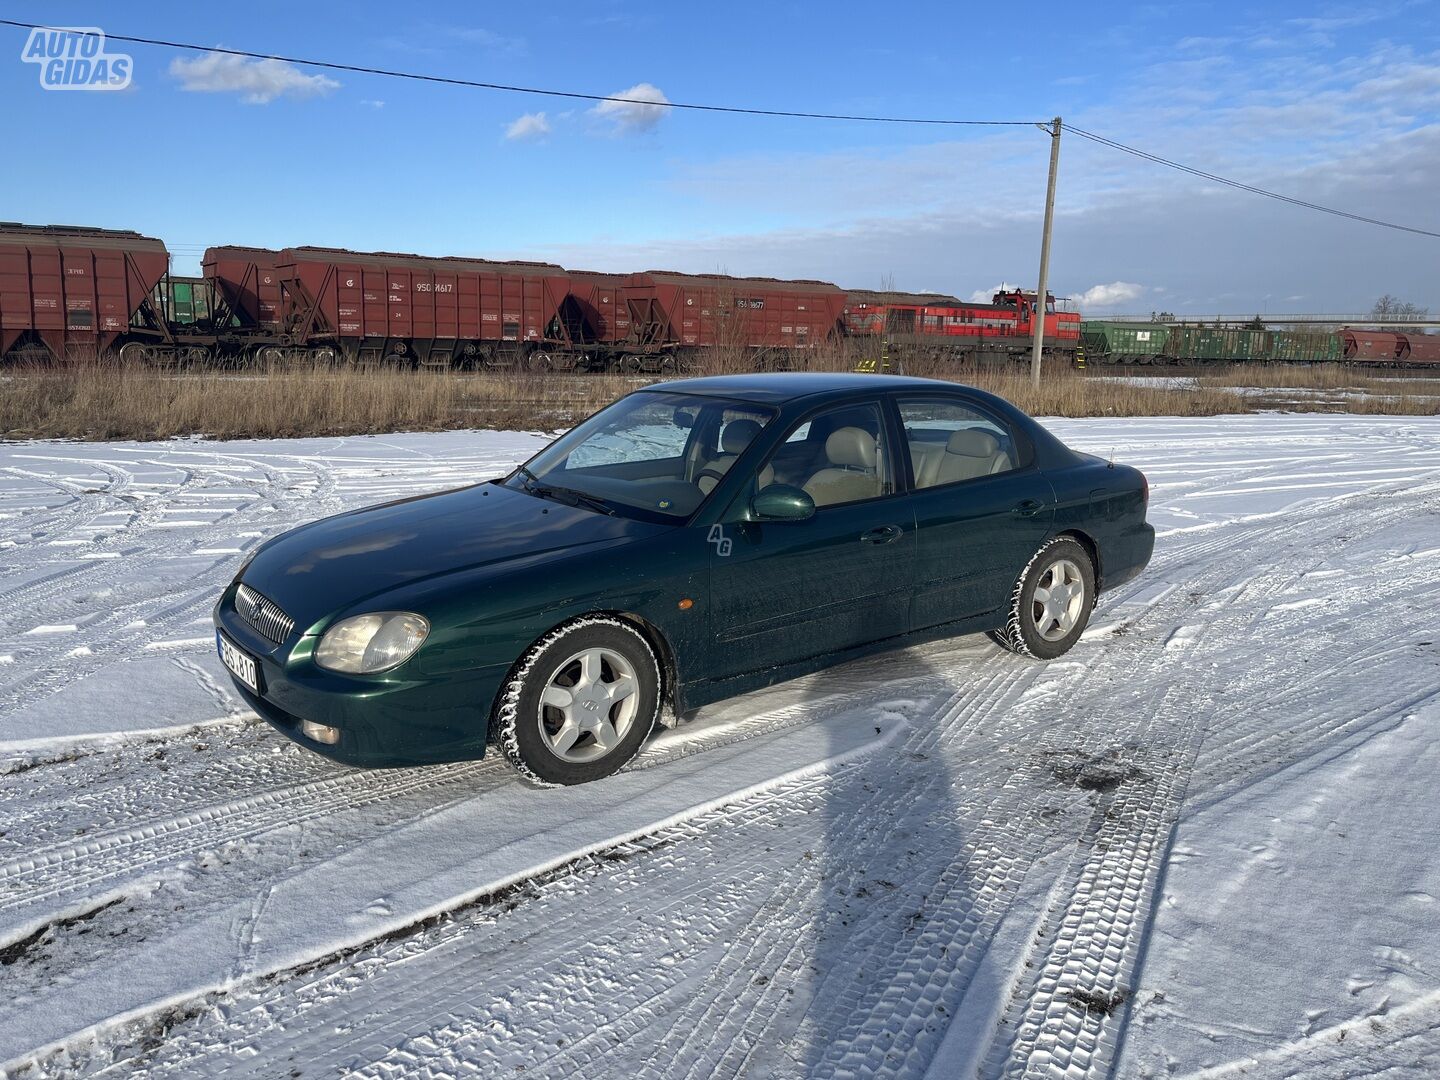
{"x": 856, "y": 938}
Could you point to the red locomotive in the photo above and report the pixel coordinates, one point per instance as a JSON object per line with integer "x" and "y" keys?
{"x": 937, "y": 326}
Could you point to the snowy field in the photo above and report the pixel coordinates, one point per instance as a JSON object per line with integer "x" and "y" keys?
{"x": 1203, "y": 843}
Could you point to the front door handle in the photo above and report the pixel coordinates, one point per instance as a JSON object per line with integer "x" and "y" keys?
{"x": 1028, "y": 508}
{"x": 883, "y": 535}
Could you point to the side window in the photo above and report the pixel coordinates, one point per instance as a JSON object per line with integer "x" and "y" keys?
{"x": 840, "y": 458}
{"x": 949, "y": 441}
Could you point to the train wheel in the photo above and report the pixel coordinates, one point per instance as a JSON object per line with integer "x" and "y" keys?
{"x": 270, "y": 355}
{"x": 324, "y": 356}
{"x": 542, "y": 361}
{"x": 134, "y": 352}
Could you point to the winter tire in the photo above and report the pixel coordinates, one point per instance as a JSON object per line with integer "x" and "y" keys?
{"x": 1051, "y": 603}
{"x": 579, "y": 703}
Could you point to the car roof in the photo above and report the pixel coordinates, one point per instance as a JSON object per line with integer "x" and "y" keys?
{"x": 776, "y": 388}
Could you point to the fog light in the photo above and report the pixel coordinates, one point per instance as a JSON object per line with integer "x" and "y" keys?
{"x": 319, "y": 732}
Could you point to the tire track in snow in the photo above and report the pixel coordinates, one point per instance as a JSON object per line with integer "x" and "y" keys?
{"x": 49, "y": 874}
{"x": 1066, "y": 1018}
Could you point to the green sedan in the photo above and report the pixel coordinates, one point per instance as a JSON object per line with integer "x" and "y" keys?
{"x": 692, "y": 541}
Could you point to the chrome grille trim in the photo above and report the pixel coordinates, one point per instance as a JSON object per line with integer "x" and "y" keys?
{"x": 263, "y": 614}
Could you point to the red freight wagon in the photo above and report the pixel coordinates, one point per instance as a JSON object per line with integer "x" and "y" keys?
{"x": 1420, "y": 349}
{"x": 1375, "y": 346}
{"x": 245, "y": 287}
{"x": 670, "y": 312}
{"x": 592, "y": 325}
{"x": 594, "y": 313}
{"x": 385, "y": 306}
{"x": 70, "y": 292}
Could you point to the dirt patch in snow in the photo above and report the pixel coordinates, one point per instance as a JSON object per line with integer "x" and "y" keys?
{"x": 1098, "y": 1001}
{"x": 26, "y": 947}
{"x": 1102, "y": 772}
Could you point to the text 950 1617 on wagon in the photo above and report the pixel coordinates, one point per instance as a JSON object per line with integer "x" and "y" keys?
{"x": 692, "y": 541}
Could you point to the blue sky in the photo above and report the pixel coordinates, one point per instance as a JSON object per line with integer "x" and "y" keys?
{"x": 1336, "y": 104}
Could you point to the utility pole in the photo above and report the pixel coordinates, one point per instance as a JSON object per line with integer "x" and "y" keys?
{"x": 1040, "y": 293}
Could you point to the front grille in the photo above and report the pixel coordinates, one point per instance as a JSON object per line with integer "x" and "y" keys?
{"x": 263, "y": 615}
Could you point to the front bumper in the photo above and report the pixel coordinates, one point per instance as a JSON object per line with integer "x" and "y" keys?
{"x": 385, "y": 720}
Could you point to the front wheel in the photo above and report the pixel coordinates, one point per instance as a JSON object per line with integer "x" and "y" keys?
{"x": 1051, "y": 603}
{"x": 579, "y": 703}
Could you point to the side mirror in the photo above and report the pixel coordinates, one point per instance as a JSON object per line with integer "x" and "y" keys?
{"x": 682, "y": 419}
{"x": 781, "y": 502}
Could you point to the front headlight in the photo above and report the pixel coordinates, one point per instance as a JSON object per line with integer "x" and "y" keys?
{"x": 365, "y": 644}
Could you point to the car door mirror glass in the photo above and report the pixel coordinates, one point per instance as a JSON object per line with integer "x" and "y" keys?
{"x": 781, "y": 502}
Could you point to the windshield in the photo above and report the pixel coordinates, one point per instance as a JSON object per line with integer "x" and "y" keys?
{"x": 653, "y": 454}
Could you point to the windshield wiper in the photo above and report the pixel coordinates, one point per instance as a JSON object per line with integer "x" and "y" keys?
{"x": 566, "y": 495}
{"x": 581, "y": 499}
{"x": 570, "y": 497}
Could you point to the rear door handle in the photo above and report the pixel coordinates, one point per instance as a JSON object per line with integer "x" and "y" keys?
{"x": 883, "y": 535}
{"x": 1028, "y": 508}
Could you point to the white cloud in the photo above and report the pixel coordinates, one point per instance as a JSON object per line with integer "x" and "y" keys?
{"x": 487, "y": 39}
{"x": 374, "y": 103}
{"x": 530, "y": 126}
{"x": 644, "y": 106}
{"x": 257, "y": 81}
{"x": 1104, "y": 296}
{"x": 984, "y": 296}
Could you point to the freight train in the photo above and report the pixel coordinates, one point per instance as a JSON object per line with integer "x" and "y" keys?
{"x": 1108, "y": 342}
{"x": 71, "y": 293}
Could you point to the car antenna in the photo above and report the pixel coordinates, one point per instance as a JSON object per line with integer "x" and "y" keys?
{"x": 1110, "y": 464}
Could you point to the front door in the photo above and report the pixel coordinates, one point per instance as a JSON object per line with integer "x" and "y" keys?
{"x": 783, "y": 592}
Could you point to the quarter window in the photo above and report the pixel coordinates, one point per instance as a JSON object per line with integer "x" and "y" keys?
{"x": 950, "y": 441}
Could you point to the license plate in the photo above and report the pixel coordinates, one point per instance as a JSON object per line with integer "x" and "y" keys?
{"x": 241, "y": 664}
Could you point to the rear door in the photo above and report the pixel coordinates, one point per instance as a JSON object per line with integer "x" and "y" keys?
{"x": 981, "y": 506}
{"x": 789, "y": 591}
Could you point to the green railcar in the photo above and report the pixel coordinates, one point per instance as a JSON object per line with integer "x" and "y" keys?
{"x": 1123, "y": 343}
{"x": 1305, "y": 346}
{"x": 187, "y": 300}
{"x": 1208, "y": 344}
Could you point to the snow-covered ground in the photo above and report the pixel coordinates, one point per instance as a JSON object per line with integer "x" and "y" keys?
{"x": 1203, "y": 842}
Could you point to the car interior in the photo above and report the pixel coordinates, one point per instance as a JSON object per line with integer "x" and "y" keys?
{"x": 667, "y": 458}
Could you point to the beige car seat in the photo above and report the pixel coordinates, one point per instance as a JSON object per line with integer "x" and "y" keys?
{"x": 852, "y": 471}
{"x": 737, "y": 435}
{"x": 968, "y": 453}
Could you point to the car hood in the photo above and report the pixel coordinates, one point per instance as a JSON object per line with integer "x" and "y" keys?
{"x": 337, "y": 562}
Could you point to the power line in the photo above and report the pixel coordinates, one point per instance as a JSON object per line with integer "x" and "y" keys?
{"x": 1103, "y": 141}
{"x": 738, "y": 110}
{"x": 571, "y": 94}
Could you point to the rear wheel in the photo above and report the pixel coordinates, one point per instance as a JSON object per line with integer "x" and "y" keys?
{"x": 1051, "y": 603}
{"x": 580, "y": 702}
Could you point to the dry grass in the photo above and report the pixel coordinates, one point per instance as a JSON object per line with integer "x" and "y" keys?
{"x": 1331, "y": 388}
{"x": 107, "y": 401}
{"x": 116, "y": 402}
